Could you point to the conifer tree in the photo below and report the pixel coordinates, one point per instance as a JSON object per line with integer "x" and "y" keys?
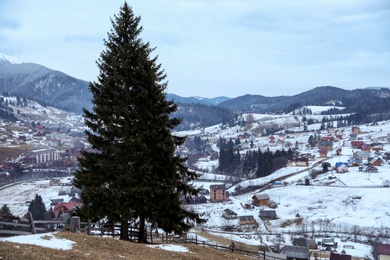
{"x": 37, "y": 208}
{"x": 132, "y": 172}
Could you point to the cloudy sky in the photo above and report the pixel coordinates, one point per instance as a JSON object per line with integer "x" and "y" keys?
{"x": 213, "y": 48}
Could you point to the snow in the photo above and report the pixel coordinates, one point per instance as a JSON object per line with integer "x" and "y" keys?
{"x": 9, "y": 59}
{"x": 44, "y": 240}
{"x": 49, "y": 240}
{"x": 170, "y": 247}
{"x": 18, "y": 196}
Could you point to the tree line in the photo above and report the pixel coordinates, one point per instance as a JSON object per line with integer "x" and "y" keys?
{"x": 253, "y": 163}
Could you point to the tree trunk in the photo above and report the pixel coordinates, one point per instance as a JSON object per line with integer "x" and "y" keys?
{"x": 124, "y": 230}
{"x": 141, "y": 234}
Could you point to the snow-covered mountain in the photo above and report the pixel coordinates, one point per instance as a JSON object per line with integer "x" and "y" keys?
{"x": 7, "y": 58}
{"x": 41, "y": 84}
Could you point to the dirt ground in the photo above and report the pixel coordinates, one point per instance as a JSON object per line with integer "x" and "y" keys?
{"x": 97, "y": 248}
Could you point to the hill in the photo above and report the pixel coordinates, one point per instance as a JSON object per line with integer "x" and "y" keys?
{"x": 48, "y": 87}
{"x": 67, "y": 245}
{"x": 54, "y": 88}
{"x": 370, "y": 101}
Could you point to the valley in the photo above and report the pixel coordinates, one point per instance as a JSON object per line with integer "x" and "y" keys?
{"x": 349, "y": 205}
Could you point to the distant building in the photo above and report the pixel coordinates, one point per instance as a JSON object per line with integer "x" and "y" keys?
{"x": 260, "y": 199}
{"x": 341, "y": 167}
{"x": 246, "y": 220}
{"x": 218, "y": 193}
{"x": 334, "y": 256}
{"x": 383, "y": 251}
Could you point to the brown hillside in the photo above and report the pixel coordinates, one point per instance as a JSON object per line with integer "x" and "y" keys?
{"x": 89, "y": 247}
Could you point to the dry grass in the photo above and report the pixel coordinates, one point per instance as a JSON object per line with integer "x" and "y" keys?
{"x": 89, "y": 247}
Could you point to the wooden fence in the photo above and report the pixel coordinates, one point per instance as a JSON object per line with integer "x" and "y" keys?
{"x": 108, "y": 229}
{"x": 255, "y": 254}
{"x": 30, "y": 226}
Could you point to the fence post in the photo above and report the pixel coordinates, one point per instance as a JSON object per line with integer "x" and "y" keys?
{"x": 89, "y": 227}
{"x": 196, "y": 239}
{"x": 75, "y": 224}
{"x": 113, "y": 230}
{"x": 32, "y": 225}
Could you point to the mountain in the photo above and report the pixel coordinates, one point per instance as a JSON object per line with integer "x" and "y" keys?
{"x": 200, "y": 100}
{"x": 369, "y": 101}
{"x": 54, "y": 88}
{"x": 46, "y": 86}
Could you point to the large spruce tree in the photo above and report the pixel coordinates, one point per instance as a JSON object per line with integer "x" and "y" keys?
{"x": 131, "y": 171}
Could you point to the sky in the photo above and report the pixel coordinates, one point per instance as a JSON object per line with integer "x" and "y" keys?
{"x": 212, "y": 48}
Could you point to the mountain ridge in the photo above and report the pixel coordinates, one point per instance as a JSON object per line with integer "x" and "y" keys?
{"x": 55, "y": 88}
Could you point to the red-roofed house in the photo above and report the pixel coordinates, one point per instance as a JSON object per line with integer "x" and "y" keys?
{"x": 357, "y": 144}
{"x": 65, "y": 207}
{"x": 383, "y": 251}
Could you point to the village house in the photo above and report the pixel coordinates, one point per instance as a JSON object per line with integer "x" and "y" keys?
{"x": 357, "y": 144}
{"x": 193, "y": 199}
{"x": 327, "y": 145}
{"x": 361, "y": 154}
{"x": 323, "y": 153}
{"x": 246, "y": 220}
{"x": 327, "y": 138}
{"x": 354, "y": 161}
{"x": 296, "y": 252}
{"x": 328, "y": 242}
{"x": 56, "y": 201}
{"x": 260, "y": 199}
{"x": 377, "y": 147}
{"x": 356, "y": 130}
{"x": 229, "y": 214}
{"x": 299, "y": 242}
{"x": 302, "y": 162}
{"x": 341, "y": 167}
{"x": 352, "y": 137}
{"x": 376, "y": 162}
{"x": 383, "y": 251}
{"x": 55, "y": 182}
{"x": 371, "y": 169}
{"x": 334, "y": 256}
{"x": 366, "y": 147}
{"x": 267, "y": 214}
{"x": 218, "y": 193}
{"x": 64, "y": 207}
